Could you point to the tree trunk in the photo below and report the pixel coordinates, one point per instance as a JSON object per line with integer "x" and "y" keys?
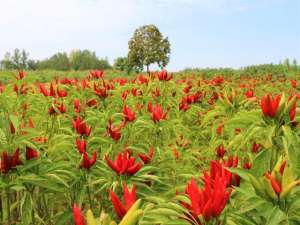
{"x": 148, "y": 71}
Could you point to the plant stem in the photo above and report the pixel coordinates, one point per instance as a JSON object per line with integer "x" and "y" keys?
{"x": 88, "y": 190}
{"x": 8, "y": 205}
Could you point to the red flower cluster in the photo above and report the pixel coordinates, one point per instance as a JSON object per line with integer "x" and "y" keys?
{"x": 124, "y": 164}
{"x": 217, "y": 81}
{"x": 31, "y": 153}
{"x": 210, "y": 200}
{"x": 97, "y": 74}
{"x": 91, "y": 102}
{"x": 102, "y": 90}
{"x": 129, "y": 199}
{"x": 164, "y": 76}
{"x": 129, "y": 115}
{"x": 22, "y": 89}
{"x": 292, "y": 112}
{"x": 77, "y": 216}
{"x": 114, "y": 132}
{"x": 276, "y": 185}
{"x": 217, "y": 167}
{"x": 221, "y": 151}
{"x": 294, "y": 83}
{"x": 157, "y": 113}
{"x": 52, "y": 92}
{"x": 60, "y": 106}
{"x": 77, "y": 105}
{"x": 270, "y": 105}
{"x": 249, "y": 93}
{"x": 21, "y": 75}
{"x": 255, "y": 147}
{"x": 189, "y": 99}
{"x": 87, "y": 163}
{"x": 146, "y": 158}
{"x": 81, "y": 145}
{"x": 9, "y": 162}
{"x": 81, "y": 127}
{"x": 84, "y": 131}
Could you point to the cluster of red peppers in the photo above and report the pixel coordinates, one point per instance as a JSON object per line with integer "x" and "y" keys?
{"x": 210, "y": 200}
{"x": 83, "y": 130}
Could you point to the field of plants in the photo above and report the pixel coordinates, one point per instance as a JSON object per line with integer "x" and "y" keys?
{"x": 150, "y": 149}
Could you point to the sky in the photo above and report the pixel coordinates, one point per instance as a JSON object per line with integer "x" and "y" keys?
{"x": 202, "y": 33}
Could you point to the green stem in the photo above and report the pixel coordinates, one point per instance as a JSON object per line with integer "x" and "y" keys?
{"x": 45, "y": 206}
{"x": 88, "y": 190}
{"x": 2, "y": 208}
{"x": 8, "y": 205}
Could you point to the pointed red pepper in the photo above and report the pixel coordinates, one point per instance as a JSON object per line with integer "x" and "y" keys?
{"x": 124, "y": 164}
{"x": 146, "y": 158}
{"x": 157, "y": 113}
{"x": 43, "y": 89}
{"x": 31, "y": 153}
{"x": 81, "y": 145}
{"x": 87, "y": 163}
{"x": 77, "y": 105}
{"x": 270, "y": 105}
{"x": 61, "y": 93}
{"x": 77, "y": 216}
{"x": 81, "y": 127}
{"x": 128, "y": 114}
{"x": 114, "y": 132}
{"x": 275, "y": 185}
{"x": 129, "y": 199}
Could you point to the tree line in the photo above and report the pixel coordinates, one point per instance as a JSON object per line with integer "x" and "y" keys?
{"x": 76, "y": 60}
{"x": 147, "y": 46}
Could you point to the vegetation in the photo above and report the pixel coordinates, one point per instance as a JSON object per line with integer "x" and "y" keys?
{"x": 77, "y": 60}
{"x": 179, "y": 149}
{"x": 148, "y": 46}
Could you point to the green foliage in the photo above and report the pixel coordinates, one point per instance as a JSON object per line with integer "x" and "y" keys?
{"x": 58, "y": 61}
{"x": 18, "y": 60}
{"x": 122, "y": 64}
{"x": 148, "y": 46}
{"x": 42, "y": 190}
{"x": 85, "y": 59}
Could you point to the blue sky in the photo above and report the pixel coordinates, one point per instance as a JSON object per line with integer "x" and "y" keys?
{"x": 202, "y": 33}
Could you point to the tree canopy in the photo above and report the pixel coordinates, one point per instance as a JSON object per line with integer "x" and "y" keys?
{"x": 148, "y": 46}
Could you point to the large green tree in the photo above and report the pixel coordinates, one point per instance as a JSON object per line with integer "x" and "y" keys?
{"x": 148, "y": 46}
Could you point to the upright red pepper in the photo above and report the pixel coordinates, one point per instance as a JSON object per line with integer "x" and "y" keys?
{"x": 87, "y": 163}
{"x": 124, "y": 164}
{"x": 129, "y": 199}
{"x": 270, "y": 105}
{"x": 77, "y": 216}
{"x": 129, "y": 115}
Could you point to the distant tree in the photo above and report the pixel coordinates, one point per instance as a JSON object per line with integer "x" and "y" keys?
{"x": 148, "y": 46}
{"x": 287, "y": 63}
{"x": 85, "y": 59}
{"x": 18, "y": 60}
{"x": 58, "y": 61}
{"x": 295, "y": 64}
{"x": 103, "y": 64}
{"x": 32, "y": 64}
{"x": 7, "y": 63}
{"x": 122, "y": 64}
{"x": 23, "y": 59}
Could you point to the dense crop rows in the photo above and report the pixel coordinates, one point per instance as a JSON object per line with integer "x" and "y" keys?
{"x": 154, "y": 149}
